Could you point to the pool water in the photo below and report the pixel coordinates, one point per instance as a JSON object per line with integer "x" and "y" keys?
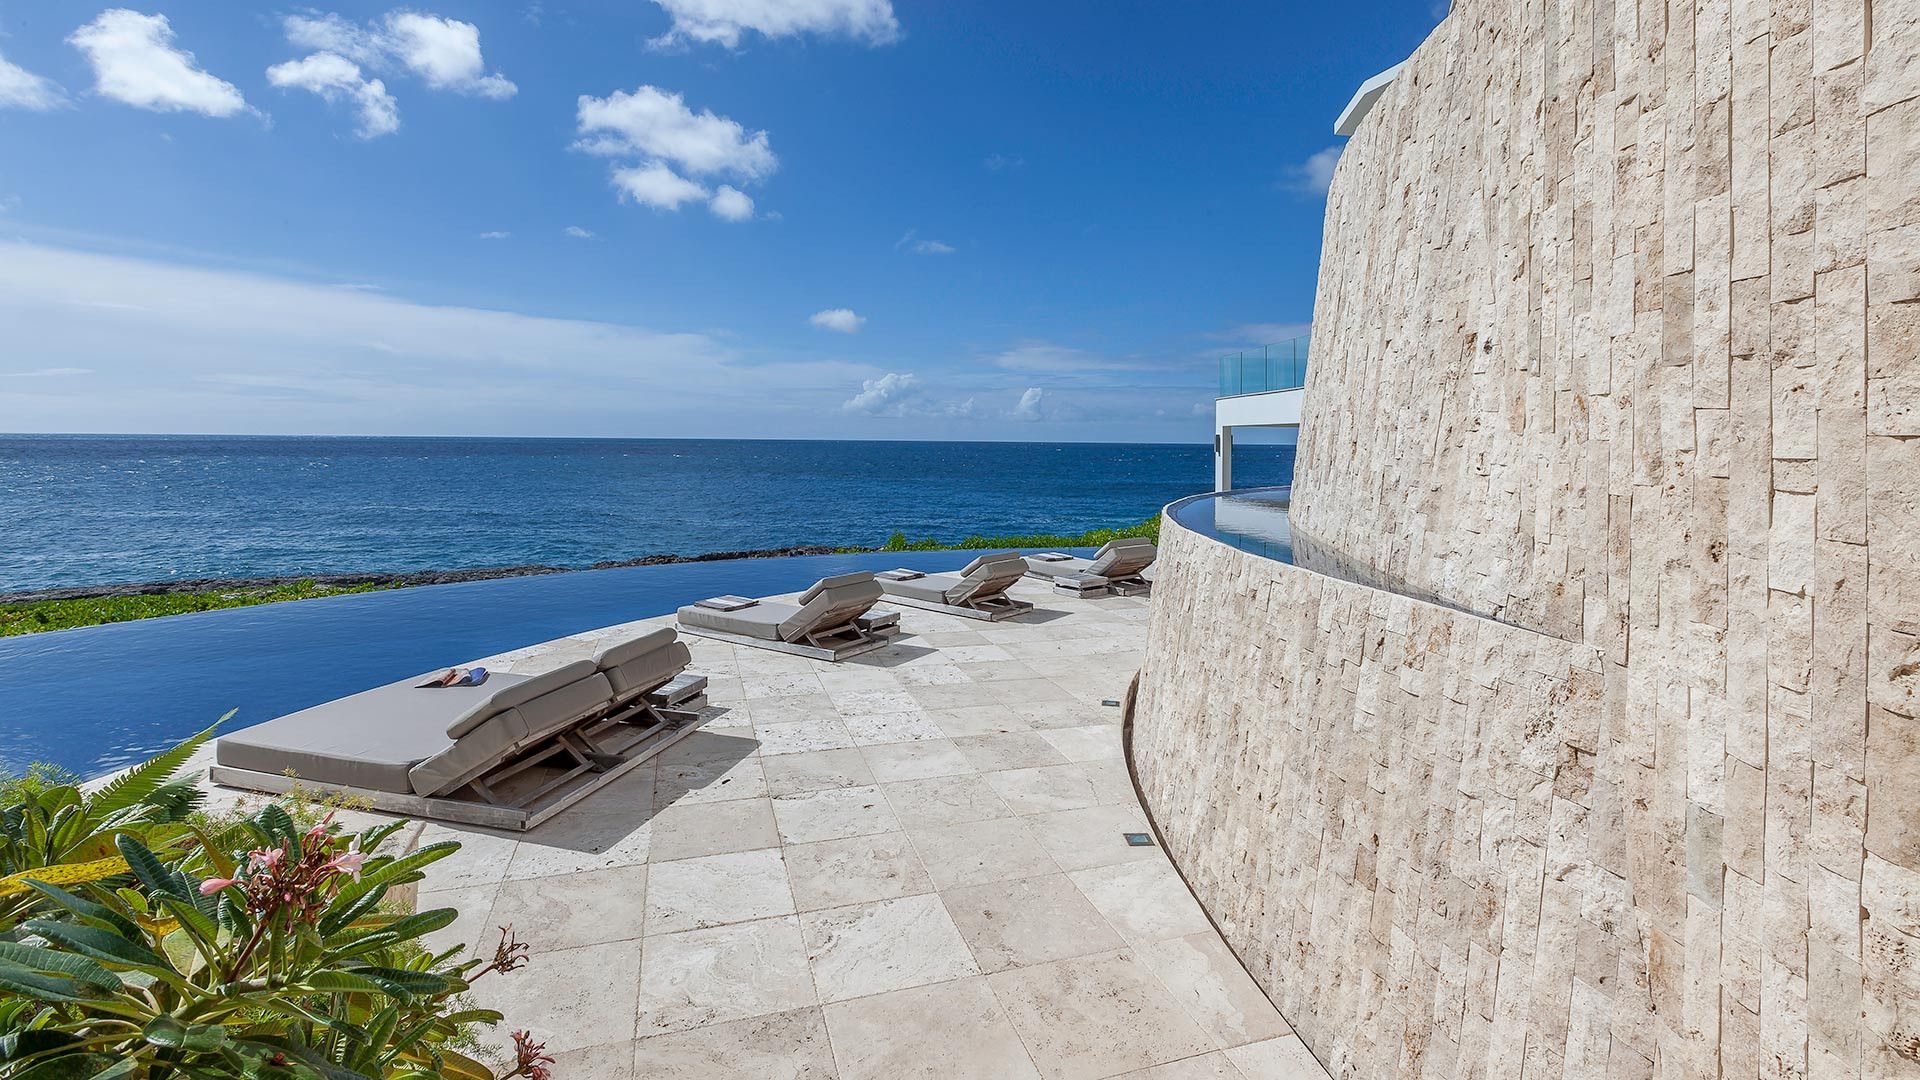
{"x": 99, "y": 698}
{"x": 1253, "y": 520}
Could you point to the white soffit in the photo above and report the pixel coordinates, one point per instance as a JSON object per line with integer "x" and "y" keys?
{"x": 1363, "y": 100}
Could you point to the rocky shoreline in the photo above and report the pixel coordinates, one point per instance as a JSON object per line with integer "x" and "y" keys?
{"x": 397, "y": 580}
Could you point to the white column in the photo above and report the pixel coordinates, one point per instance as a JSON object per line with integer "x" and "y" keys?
{"x": 1222, "y": 458}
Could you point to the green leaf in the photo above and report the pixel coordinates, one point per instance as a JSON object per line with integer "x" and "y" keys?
{"x": 377, "y": 874}
{"x": 44, "y": 987}
{"x": 51, "y": 961}
{"x": 166, "y": 1030}
{"x": 90, "y": 913}
{"x": 140, "y": 783}
{"x": 159, "y": 880}
{"x": 102, "y": 945}
{"x": 67, "y": 1067}
{"x": 399, "y": 982}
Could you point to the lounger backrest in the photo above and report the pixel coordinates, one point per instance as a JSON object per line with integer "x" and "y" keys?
{"x": 988, "y": 575}
{"x": 1123, "y": 558}
{"x": 518, "y": 716}
{"x": 512, "y": 695}
{"x": 641, "y": 664}
{"x": 831, "y": 602}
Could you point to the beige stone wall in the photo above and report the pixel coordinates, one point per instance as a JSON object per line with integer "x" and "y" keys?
{"x": 1616, "y": 342}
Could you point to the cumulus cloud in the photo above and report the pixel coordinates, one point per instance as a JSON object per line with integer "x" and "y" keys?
{"x": 841, "y": 319}
{"x": 578, "y": 233}
{"x": 731, "y": 204}
{"x": 724, "y": 22}
{"x": 444, "y": 53}
{"x": 889, "y": 395}
{"x": 22, "y": 89}
{"x": 1028, "y": 407}
{"x": 671, "y": 141}
{"x": 135, "y": 61}
{"x": 336, "y": 78}
{"x": 911, "y": 241}
{"x": 1314, "y": 175}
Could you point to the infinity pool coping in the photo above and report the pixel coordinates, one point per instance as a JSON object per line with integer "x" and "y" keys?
{"x": 911, "y": 863}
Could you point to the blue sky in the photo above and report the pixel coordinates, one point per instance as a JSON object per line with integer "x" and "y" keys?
{"x": 745, "y": 218}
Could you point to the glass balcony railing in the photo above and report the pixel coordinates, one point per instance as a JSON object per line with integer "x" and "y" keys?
{"x": 1280, "y": 366}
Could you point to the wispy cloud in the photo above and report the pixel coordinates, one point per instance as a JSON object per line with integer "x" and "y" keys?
{"x": 579, "y": 233}
{"x": 725, "y": 22}
{"x": 841, "y": 319}
{"x": 1314, "y": 175}
{"x": 135, "y": 62}
{"x": 22, "y": 89}
{"x": 46, "y": 373}
{"x": 495, "y": 234}
{"x": 911, "y": 241}
{"x": 1004, "y": 162}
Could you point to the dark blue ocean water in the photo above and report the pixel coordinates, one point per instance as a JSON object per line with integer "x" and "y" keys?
{"x": 85, "y": 510}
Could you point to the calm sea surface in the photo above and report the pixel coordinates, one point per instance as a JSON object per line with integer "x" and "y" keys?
{"x": 88, "y": 510}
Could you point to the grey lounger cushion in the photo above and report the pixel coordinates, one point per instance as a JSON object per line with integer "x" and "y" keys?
{"x": 640, "y": 664}
{"x": 1123, "y": 558}
{"x": 829, "y": 603}
{"x": 984, "y": 577}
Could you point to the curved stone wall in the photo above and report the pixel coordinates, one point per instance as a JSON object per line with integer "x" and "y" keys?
{"x": 1615, "y": 343}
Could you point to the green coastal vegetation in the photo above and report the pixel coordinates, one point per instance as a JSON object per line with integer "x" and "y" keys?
{"x": 35, "y": 616}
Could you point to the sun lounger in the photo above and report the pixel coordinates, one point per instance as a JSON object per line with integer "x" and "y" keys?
{"x": 830, "y": 621}
{"x": 507, "y": 753}
{"x": 1120, "y": 562}
{"x": 978, "y": 591}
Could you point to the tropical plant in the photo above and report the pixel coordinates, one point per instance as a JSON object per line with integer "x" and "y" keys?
{"x": 284, "y": 964}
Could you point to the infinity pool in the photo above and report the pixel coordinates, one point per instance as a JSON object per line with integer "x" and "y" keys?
{"x": 102, "y": 697}
{"x": 1254, "y": 519}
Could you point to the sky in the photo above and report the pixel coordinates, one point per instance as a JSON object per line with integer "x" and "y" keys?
{"x": 662, "y": 218}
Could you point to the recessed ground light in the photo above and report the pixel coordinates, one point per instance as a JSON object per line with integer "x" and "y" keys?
{"x": 1114, "y": 702}
{"x": 1138, "y": 839}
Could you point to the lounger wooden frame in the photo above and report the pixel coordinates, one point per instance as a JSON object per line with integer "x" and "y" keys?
{"x": 991, "y": 608}
{"x": 832, "y": 644}
{"x": 596, "y": 752}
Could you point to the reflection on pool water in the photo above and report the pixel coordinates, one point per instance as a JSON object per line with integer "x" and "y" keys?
{"x": 1252, "y": 520}
{"x": 101, "y": 697}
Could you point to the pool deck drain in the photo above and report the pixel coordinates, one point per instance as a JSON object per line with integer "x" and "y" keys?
{"x": 915, "y": 863}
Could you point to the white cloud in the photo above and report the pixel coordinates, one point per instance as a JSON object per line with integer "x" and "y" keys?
{"x": 668, "y": 139}
{"x": 22, "y": 89}
{"x": 841, "y": 319}
{"x": 1314, "y": 175}
{"x": 183, "y": 348}
{"x": 731, "y": 204}
{"x": 657, "y": 186}
{"x": 444, "y": 53}
{"x": 134, "y": 61}
{"x": 1028, "y": 407}
{"x": 495, "y": 234}
{"x": 889, "y": 395}
{"x": 578, "y": 233}
{"x": 723, "y": 22}
{"x": 1041, "y": 356}
{"x": 336, "y": 78}
{"x": 47, "y": 373}
{"x": 1004, "y": 162}
{"x": 909, "y": 241}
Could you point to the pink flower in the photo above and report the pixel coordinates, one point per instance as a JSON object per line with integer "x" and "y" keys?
{"x": 348, "y": 863}
{"x": 215, "y": 884}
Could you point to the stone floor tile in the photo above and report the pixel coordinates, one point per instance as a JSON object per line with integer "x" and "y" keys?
{"x": 818, "y": 770}
{"x": 608, "y": 1061}
{"x": 1046, "y": 789}
{"x": 688, "y": 832}
{"x": 978, "y": 851}
{"x": 573, "y": 910}
{"x": 692, "y": 894}
{"x": 1014, "y": 750}
{"x": 1209, "y": 982}
{"x": 1284, "y": 1058}
{"x": 1112, "y": 783}
{"x": 974, "y": 654}
{"x": 702, "y": 977}
{"x": 1071, "y": 713}
{"x": 1094, "y": 742}
{"x": 816, "y": 708}
{"x": 1144, "y": 900}
{"x": 1094, "y": 836}
{"x": 548, "y": 997}
{"x": 789, "y": 1045}
{"x": 978, "y": 720}
{"x": 906, "y": 725}
{"x": 921, "y": 676}
{"x": 482, "y": 859}
{"x": 952, "y": 695}
{"x": 1028, "y": 921}
{"x": 471, "y": 926}
{"x": 801, "y": 737}
{"x": 829, "y": 815}
{"x": 1214, "y": 1066}
{"x": 715, "y": 770}
{"x": 1030, "y": 691}
{"x": 885, "y": 945}
{"x": 1095, "y": 1016}
{"x": 944, "y": 800}
{"x": 855, "y": 870}
{"x": 870, "y": 700}
{"x": 779, "y": 684}
{"x": 947, "y": 1031}
{"x": 916, "y": 760}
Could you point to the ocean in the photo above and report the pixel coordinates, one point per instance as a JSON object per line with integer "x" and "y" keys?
{"x": 79, "y": 510}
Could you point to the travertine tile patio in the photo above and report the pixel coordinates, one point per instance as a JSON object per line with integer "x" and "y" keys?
{"x": 910, "y": 864}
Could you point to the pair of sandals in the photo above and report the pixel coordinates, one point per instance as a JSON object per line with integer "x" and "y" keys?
{"x": 460, "y": 677}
